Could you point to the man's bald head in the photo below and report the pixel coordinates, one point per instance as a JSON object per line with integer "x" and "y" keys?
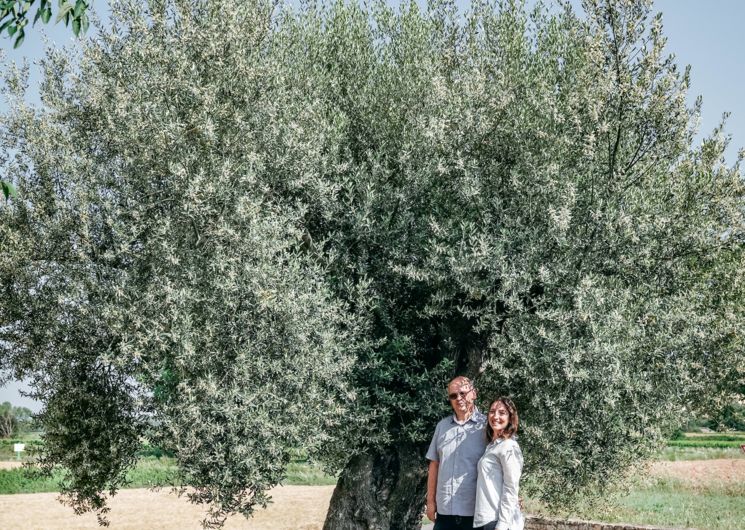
{"x": 461, "y": 380}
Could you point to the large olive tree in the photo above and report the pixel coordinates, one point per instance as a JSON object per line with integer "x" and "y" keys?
{"x": 288, "y": 228}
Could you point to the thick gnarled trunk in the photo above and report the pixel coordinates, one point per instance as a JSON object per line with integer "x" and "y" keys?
{"x": 380, "y": 491}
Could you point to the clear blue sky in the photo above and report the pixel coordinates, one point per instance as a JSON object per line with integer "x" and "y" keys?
{"x": 708, "y": 35}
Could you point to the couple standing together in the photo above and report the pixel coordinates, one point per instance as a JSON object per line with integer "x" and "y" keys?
{"x": 475, "y": 465}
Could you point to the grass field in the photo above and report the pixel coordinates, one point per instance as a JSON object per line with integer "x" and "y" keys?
{"x": 712, "y": 501}
{"x": 704, "y": 494}
{"x": 674, "y": 503}
{"x": 698, "y": 481}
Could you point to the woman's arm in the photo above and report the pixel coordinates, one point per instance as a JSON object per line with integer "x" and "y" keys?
{"x": 512, "y": 466}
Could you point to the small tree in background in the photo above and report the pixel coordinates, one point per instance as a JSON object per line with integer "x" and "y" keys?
{"x": 14, "y": 420}
{"x": 240, "y": 235}
{"x": 731, "y": 416}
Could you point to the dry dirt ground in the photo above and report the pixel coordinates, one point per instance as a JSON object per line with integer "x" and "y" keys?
{"x": 294, "y": 507}
{"x": 700, "y": 472}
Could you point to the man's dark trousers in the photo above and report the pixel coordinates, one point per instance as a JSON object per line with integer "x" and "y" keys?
{"x": 453, "y": 522}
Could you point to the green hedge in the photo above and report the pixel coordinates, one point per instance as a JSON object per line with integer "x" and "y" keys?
{"x": 149, "y": 472}
{"x": 6, "y": 447}
{"x": 735, "y": 437}
{"x": 696, "y": 442}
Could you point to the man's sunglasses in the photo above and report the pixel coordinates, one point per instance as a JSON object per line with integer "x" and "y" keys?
{"x": 456, "y": 395}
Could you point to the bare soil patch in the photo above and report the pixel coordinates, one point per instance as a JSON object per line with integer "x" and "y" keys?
{"x": 294, "y": 507}
{"x": 702, "y": 472}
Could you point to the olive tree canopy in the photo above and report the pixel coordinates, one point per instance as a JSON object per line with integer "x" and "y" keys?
{"x": 237, "y": 236}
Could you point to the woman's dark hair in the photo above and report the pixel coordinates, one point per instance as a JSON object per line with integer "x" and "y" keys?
{"x": 512, "y": 423}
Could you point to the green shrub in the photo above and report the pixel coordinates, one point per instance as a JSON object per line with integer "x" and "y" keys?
{"x": 677, "y": 434}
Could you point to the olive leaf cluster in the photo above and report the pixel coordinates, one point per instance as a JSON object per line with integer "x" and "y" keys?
{"x": 237, "y": 236}
{"x": 14, "y": 16}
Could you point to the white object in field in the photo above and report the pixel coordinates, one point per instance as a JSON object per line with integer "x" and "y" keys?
{"x": 19, "y": 447}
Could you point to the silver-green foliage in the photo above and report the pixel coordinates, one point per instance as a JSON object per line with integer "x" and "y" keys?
{"x": 241, "y": 234}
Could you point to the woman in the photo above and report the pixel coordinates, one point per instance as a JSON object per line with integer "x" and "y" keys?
{"x": 499, "y": 471}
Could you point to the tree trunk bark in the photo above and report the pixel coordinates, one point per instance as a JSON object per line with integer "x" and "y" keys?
{"x": 380, "y": 491}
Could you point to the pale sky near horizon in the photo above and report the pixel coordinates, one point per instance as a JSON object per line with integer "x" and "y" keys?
{"x": 708, "y": 35}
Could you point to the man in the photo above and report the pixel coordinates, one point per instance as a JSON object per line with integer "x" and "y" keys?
{"x": 457, "y": 446}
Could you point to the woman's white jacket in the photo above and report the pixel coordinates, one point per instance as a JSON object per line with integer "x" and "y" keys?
{"x": 498, "y": 486}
